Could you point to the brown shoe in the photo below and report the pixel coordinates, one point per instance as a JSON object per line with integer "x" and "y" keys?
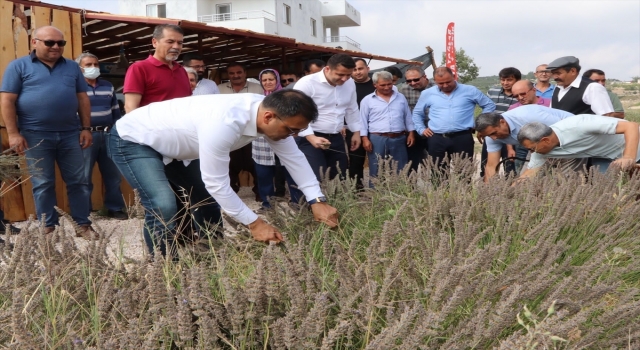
{"x": 87, "y": 232}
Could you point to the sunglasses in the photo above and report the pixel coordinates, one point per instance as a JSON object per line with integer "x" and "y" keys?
{"x": 522, "y": 94}
{"x": 51, "y": 43}
{"x": 409, "y": 81}
{"x": 291, "y": 80}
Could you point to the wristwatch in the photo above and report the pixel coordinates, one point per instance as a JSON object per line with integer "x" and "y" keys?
{"x": 88, "y": 128}
{"x": 317, "y": 200}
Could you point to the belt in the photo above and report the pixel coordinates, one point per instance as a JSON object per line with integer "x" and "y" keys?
{"x": 101, "y": 128}
{"x": 391, "y": 135}
{"x": 455, "y": 133}
{"x": 324, "y": 134}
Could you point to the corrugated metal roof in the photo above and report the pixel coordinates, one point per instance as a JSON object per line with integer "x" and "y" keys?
{"x": 105, "y": 33}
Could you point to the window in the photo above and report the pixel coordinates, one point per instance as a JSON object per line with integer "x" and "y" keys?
{"x": 287, "y": 14}
{"x": 313, "y": 27}
{"x": 157, "y": 10}
{"x": 223, "y": 12}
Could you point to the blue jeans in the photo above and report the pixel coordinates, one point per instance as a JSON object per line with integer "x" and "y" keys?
{"x": 110, "y": 174}
{"x": 266, "y": 175}
{"x": 383, "y": 147}
{"x": 601, "y": 163}
{"x": 143, "y": 168}
{"x": 45, "y": 149}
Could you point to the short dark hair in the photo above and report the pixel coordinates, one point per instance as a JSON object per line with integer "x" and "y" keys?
{"x": 395, "y": 71}
{"x": 587, "y": 74}
{"x": 314, "y": 61}
{"x": 341, "y": 59}
{"x": 158, "y": 31}
{"x": 236, "y": 64}
{"x": 288, "y": 72}
{"x": 287, "y": 103}
{"x": 440, "y": 71}
{"x": 355, "y": 60}
{"x": 188, "y": 57}
{"x": 510, "y": 72}
{"x": 486, "y": 120}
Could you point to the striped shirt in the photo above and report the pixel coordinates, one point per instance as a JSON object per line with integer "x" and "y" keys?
{"x": 104, "y": 104}
{"x": 502, "y": 100}
{"x": 261, "y": 152}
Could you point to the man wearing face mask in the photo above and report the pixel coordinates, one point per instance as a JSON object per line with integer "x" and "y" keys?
{"x": 104, "y": 114}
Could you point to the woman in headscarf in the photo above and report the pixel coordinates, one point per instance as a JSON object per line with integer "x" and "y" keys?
{"x": 267, "y": 163}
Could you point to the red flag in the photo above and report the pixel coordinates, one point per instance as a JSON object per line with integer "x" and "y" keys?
{"x": 451, "y": 51}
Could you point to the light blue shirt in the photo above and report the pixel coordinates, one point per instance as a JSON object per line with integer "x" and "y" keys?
{"x": 548, "y": 93}
{"x": 378, "y": 115}
{"x": 584, "y": 136}
{"x": 450, "y": 113}
{"x": 522, "y": 115}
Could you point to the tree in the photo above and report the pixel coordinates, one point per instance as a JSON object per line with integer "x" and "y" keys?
{"x": 635, "y": 79}
{"x": 467, "y": 69}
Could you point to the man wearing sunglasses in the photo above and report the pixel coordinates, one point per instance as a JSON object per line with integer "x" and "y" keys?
{"x": 42, "y": 96}
{"x": 416, "y": 81}
{"x": 582, "y": 136}
{"x": 209, "y": 127}
{"x": 525, "y": 92}
{"x": 288, "y": 78}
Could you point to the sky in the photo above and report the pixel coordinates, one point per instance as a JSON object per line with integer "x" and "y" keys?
{"x": 496, "y": 34}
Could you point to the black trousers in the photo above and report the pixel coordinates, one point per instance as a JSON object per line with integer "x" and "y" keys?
{"x": 356, "y": 161}
{"x": 441, "y": 146}
{"x": 509, "y": 166}
{"x": 204, "y": 210}
{"x": 240, "y": 160}
{"x": 416, "y": 152}
{"x": 334, "y": 158}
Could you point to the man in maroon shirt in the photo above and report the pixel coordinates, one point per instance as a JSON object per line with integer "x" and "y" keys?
{"x": 159, "y": 77}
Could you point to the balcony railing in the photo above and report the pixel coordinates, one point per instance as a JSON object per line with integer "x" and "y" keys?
{"x": 335, "y": 39}
{"x": 234, "y": 16}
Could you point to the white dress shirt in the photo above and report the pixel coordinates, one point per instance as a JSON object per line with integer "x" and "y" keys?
{"x": 209, "y": 127}
{"x": 594, "y": 95}
{"x": 335, "y": 104}
{"x": 206, "y": 87}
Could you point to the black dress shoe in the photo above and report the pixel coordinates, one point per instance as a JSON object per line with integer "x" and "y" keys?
{"x": 117, "y": 214}
{"x": 6, "y": 228}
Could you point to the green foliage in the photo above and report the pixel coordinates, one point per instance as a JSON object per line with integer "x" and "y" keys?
{"x": 467, "y": 69}
{"x": 427, "y": 261}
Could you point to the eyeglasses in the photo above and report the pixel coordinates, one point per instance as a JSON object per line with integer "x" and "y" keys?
{"x": 51, "y": 43}
{"x": 543, "y": 72}
{"x": 522, "y": 94}
{"x": 409, "y": 81}
{"x": 291, "y": 131}
{"x": 291, "y": 80}
{"x": 534, "y": 149}
{"x": 197, "y": 67}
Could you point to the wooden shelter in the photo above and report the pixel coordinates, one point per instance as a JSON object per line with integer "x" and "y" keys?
{"x": 105, "y": 35}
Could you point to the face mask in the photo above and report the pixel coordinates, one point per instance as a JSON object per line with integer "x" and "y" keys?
{"x": 91, "y": 72}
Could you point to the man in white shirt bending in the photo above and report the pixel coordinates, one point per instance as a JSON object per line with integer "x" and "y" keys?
{"x": 209, "y": 127}
{"x": 333, "y": 90}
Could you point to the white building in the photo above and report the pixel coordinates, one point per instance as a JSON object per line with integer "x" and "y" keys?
{"x": 309, "y": 21}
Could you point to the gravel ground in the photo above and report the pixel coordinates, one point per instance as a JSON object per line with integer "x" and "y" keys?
{"x": 125, "y": 236}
